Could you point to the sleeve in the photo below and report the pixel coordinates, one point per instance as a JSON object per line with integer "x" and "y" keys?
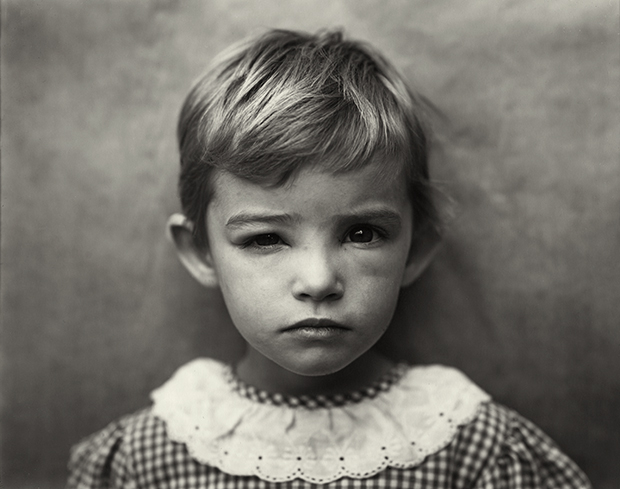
{"x": 101, "y": 461}
{"x": 526, "y": 458}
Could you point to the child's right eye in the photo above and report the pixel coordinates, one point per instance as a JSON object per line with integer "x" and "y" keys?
{"x": 264, "y": 241}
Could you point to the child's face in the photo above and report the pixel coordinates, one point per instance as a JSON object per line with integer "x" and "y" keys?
{"x": 322, "y": 247}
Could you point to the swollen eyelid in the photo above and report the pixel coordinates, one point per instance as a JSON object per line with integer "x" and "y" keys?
{"x": 266, "y": 240}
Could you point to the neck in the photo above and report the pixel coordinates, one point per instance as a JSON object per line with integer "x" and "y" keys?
{"x": 260, "y": 372}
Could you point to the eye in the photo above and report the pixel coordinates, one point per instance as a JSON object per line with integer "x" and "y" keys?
{"x": 362, "y": 234}
{"x": 264, "y": 240}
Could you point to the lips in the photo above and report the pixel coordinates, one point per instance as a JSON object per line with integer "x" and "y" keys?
{"x": 316, "y": 323}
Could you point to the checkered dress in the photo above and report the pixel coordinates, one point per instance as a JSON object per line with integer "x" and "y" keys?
{"x": 498, "y": 449}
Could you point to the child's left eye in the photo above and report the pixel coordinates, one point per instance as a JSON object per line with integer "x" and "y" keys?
{"x": 363, "y": 234}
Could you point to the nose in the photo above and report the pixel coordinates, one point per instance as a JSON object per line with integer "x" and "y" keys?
{"x": 317, "y": 277}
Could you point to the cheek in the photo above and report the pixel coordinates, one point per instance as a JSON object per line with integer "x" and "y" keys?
{"x": 386, "y": 266}
{"x": 378, "y": 281}
{"x": 245, "y": 286}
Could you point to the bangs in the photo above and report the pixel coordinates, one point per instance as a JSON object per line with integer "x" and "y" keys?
{"x": 297, "y": 102}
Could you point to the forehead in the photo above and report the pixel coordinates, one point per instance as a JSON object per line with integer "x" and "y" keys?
{"x": 378, "y": 181}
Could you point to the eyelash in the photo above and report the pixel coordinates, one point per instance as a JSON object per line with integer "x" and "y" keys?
{"x": 252, "y": 242}
{"x": 378, "y": 234}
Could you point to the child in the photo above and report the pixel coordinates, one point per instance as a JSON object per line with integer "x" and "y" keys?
{"x": 306, "y": 199}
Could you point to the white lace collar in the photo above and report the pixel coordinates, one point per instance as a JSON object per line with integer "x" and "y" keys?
{"x": 398, "y": 426}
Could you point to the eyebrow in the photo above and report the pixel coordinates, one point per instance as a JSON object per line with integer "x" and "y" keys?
{"x": 385, "y": 215}
{"x": 248, "y": 218}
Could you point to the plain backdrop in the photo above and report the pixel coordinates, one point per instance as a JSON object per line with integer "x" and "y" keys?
{"x": 524, "y": 295}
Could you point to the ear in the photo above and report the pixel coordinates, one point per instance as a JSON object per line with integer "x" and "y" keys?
{"x": 197, "y": 262}
{"x": 424, "y": 247}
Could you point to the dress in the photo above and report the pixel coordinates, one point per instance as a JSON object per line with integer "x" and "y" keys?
{"x": 418, "y": 427}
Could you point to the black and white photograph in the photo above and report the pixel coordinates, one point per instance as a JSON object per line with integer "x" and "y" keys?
{"x": 347, "y": 244}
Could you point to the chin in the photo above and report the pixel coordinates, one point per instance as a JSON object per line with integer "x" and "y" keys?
{"x": 315, "y": 367}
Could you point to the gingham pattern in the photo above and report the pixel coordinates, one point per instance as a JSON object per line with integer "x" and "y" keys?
{"x": 499, "y": 449}
{"x": 320, "y": 401}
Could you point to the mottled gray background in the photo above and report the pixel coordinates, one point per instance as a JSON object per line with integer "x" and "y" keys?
{"x": 524, "y": 296}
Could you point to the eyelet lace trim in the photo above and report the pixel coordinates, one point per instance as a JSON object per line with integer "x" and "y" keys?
{"x": 320, "y": 401}
{"x": 414, "y": 416}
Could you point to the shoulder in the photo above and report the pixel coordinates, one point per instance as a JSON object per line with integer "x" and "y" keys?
{"x": 137, "y": 450}
{"x": 118, "y": 455}
{"x": 499, "y": 445}
{"x": 494, "y": 444}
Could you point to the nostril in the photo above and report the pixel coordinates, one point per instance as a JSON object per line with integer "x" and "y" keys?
{"x": 321, "y": 296}
{"x": 333, "y": 296}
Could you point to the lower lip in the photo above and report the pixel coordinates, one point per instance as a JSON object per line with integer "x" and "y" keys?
{"x": 316, "y": 333}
